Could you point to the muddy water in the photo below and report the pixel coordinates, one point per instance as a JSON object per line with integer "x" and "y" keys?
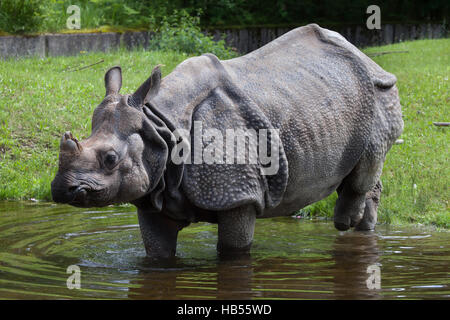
{"x": 290, "y": 259}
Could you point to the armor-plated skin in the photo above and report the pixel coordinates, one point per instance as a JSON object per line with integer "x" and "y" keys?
{"x": 336, "y": 112}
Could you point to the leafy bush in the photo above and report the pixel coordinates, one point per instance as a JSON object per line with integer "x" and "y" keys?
{"x": 129, "y": 13}
{"x": 95, "y": 14}
{"x": 22, "y": 16}
{"x": 25, "y": 16}
{"x": 181, "y": 32}
{"x": 19, "y": 16}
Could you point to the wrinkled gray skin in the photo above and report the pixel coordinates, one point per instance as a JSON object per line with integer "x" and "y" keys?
{"x": 337, "y": 112}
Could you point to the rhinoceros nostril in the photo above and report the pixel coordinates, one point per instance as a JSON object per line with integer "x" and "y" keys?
{"x": 73, "y": 189}
{"x": 80, "y": 190}
{"x": 78, "y": 195}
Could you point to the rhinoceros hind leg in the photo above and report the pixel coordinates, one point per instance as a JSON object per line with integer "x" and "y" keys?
{"x": 370, "y": 212}
{"x": 349, "y": 207}
{"x": 358, "y": 196}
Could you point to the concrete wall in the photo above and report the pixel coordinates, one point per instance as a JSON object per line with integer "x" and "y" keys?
{"x": 244, "y": 40}
{"x": 22, "y": 46}
{"x": 70, "y": 44}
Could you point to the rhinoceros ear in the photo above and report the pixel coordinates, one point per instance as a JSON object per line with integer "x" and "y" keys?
{"x": 113, "y": 80}
{"x": 149, "y": 88}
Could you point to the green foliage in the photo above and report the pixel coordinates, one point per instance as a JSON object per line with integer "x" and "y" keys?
{"x": 122, "y": 13}
{"x": 95, "y": 14}
{"x": 263, "y": 12}
{"x": 22, "y": 16}
{"x": 181, "y": 32}
{"x": 19, "y": 16}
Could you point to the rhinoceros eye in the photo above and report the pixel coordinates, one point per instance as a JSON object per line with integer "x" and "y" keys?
{"x": 110, "y": 159}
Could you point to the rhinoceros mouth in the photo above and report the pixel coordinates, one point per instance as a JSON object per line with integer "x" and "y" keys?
{"x": 78, "y": 194}
{"x": 83, "y": 196}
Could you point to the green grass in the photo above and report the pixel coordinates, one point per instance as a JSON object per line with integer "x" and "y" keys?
{"x": 40, "y": 101}
{"x": 423, "y": 160}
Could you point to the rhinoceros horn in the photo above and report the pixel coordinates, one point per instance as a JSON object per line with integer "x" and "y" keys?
{"x": 69, "y": 144}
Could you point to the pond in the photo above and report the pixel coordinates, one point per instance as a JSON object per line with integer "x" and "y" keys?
{"x": 290, "y": 259}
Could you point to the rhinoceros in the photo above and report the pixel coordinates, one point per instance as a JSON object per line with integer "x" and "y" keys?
{"x": 328, "y": 113}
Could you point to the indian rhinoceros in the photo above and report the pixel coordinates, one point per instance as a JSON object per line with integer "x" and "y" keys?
{"x": 328, "y": 112}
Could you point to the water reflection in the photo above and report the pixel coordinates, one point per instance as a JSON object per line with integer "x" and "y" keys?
{"x": 244, "y": 277}
{"x": 290, "y": 259}
{"x": 234, "y": 277}
{"x": 353, "y": 253}
{"x": 228, "y": 278}
{"x": 330, "y": 267}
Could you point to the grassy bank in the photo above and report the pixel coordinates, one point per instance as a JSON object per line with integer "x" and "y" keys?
{"x": 42, "y": 98}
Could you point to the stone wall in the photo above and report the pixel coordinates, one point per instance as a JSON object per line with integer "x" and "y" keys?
{"x": 70, "y": 44}
{"x": 244, "y": 40}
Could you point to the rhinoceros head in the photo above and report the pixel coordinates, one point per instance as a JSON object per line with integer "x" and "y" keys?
{"x": 108, "y": 166}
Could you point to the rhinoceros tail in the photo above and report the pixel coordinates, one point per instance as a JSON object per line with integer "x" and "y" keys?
{"x": 386, "y": 81}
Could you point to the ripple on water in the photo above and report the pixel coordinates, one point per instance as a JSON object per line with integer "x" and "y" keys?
{"x": 291, "y": 259}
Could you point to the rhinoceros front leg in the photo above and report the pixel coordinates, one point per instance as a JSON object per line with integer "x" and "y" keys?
{"x": 235, "y": 230}
{"x": 159, "y": 233}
